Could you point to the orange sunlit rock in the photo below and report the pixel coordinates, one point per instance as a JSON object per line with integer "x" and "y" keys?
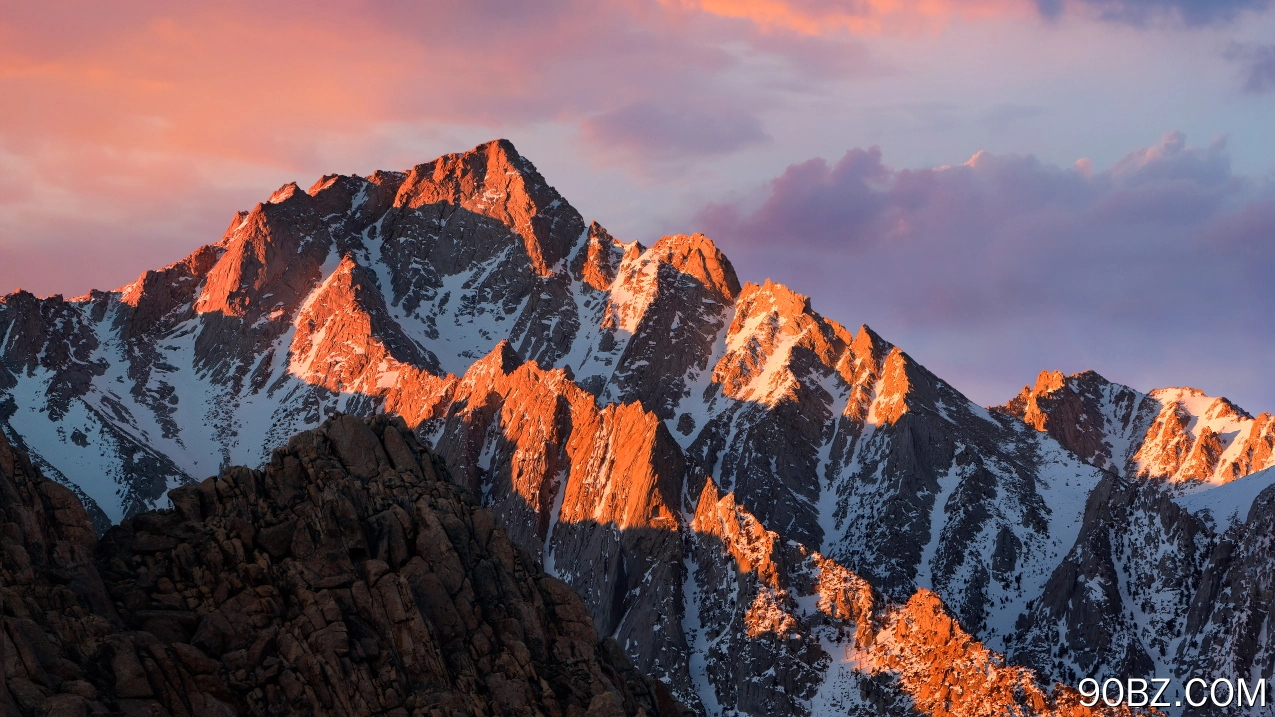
{"x": 1174, "y": 434}
{"x": 944, "y": 671}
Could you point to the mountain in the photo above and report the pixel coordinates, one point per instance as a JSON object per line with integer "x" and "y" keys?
{"x": 769, "y": 512}
{"x": 1175, "y": 434}
{"x": 1169, "y": 573}
{"x": 347, "y": 576}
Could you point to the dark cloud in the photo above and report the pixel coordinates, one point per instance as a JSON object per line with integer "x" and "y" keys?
{"x": 1152, "y": 271}
{"x": 1140, "y": 12}
{"x": 1257, "y": 63}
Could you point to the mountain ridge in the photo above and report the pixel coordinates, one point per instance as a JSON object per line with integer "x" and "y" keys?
{"x": 589, "y": 392}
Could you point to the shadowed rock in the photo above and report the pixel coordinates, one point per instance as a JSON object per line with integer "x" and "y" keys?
{"x": 348, "y": 576}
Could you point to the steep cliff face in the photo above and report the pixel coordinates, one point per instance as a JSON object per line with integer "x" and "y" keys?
{"x": 1164, "y": 577}
{"x": 1159, "y": 584}
{"x": 347, "y": 576}
{"x": 595, "y": 492}
{"x": 784, "y": 630}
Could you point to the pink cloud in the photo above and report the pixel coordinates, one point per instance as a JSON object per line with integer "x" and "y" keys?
{"x": 143, "y": 126}
{"x": 874, "y": 17}
{"x": 118, "y": 118}
{"x": 814, "y": 17}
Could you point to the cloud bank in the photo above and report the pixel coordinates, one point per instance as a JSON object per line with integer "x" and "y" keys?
{"x": 1154, "y": 271}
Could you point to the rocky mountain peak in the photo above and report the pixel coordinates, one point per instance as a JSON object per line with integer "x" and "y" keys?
{"x": 345, "y": 339}
{"x": 696, "y": 256}
{"x": 869, "y": 343}
{"x": 676, "y": 264}
{"x": 502, "y": 360}
{"x": 271, "y": 259}
{"x": 1088, "y": 414}
{"x": 785, "y": 301}
{"x": 1178, "y": 434}
{"x": 284, "y": 193}
{"x": 896, "y": 391}
{"x": 775, "y": 339}
{"x": 597, "y": 263}
{"x": 1048, "y": 382}
{"x": 493, "y": 180}
{"x": 159, "y": 299}
{"x": 755, "y": 549}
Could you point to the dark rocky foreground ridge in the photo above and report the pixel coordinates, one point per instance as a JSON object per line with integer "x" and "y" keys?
{"x": 351, "y": 576}
{"x": 347, "y": 576}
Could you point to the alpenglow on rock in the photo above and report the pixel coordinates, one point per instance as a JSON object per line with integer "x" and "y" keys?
{"x": 594, "y": 394}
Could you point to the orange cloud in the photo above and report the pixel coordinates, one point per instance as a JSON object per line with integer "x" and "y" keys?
{"x": 858, "y": 17}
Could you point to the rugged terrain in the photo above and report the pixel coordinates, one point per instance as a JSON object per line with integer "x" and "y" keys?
{"x": 347, "y": 576}
{"x": 1169, "y": 575}
{"x": 604, "y": 398}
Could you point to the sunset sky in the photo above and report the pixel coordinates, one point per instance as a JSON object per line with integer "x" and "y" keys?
{"x": 997, "y": 186}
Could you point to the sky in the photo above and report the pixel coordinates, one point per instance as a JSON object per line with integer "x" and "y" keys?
{"x": 996, "y": 186}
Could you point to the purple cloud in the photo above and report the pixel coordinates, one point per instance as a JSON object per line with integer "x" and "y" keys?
{"x": 1257, "y": 63}
{"x": 1152, "y": 271}
{"x": 675, "y": 128}
{"x": 1140, "y": 12}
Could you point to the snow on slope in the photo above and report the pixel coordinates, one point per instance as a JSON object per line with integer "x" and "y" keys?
{"x": 1227, "y": 504}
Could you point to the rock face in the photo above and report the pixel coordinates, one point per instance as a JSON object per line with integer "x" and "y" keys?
{"x": 347, "y": 576}
{"x": 594, "y": 394}
{"x": 1174, "y": 434}
{"x": 1164, "y": 577}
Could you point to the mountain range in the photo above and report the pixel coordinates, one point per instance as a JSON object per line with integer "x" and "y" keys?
{"x": 768, "y": 512}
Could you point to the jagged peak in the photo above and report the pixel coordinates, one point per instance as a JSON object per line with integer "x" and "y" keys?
{"x": 20, "y": 295}
{"x": 345, "y": 340}
{"x": 754, "y": 547}
{"x": 502, "y": 358}
{"x": 708, "y": 495}
{"x": 329, "y": 180}
{"x": 284, "y": 193}
{"x": 383, "y": 176}
{"x": 1199, "y": 403}
{"x": 785, "y": 300}
{"x": 1091, "y": 375}
{"x": 696, "y": 255}
{"x": 240, "y": 218}
{"x": 1049, "y": 381}
{"x": 905, "y": 385}
{"x": 195, "y": 266}
{"x": 1223, "y": 407}
{"x": 343, "y": 274}
{"x": 451, "y": 171}
{"x": 867, "y": 342}
{"x": 493, "y": 180}
{"x": 341, "y": 278}
{"x": 598, "y": 260}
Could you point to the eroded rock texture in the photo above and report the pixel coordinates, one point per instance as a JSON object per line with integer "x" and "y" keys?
{"x": 347, "y": 576}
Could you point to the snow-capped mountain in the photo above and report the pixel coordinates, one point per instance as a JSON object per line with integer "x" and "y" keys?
{"x": 1175, "y": 434}
{"x": 768, "y": 511}
{"x": 1169, "y": 575}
